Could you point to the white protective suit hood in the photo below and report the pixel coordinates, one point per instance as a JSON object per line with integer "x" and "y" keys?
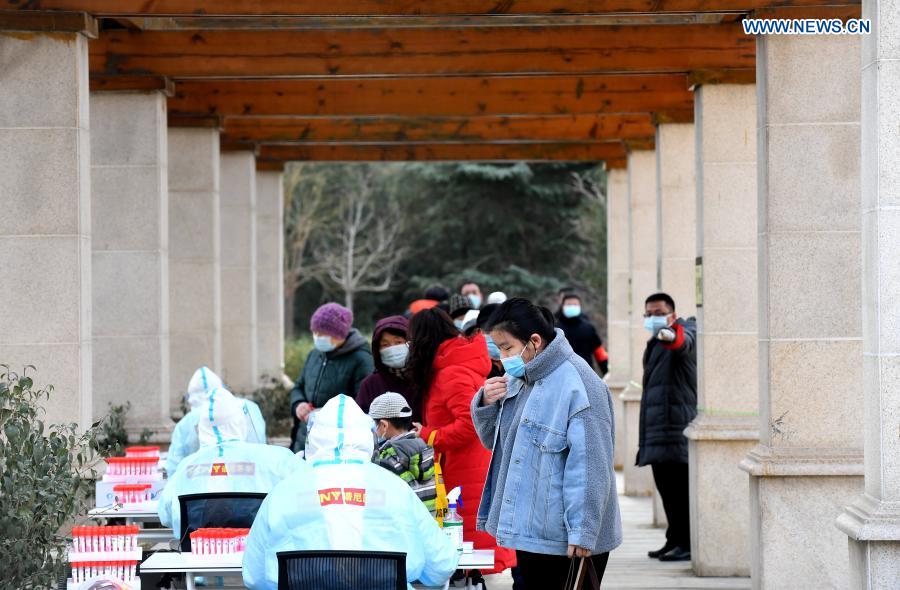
{"x": 341, "y": 433}
{"x": 223, "y": 419}
{"x": 203, "y": 381}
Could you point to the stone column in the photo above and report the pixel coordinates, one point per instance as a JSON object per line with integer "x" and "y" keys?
{"x": 642, "y": 222}
{"x": 676, "y": 208}
{"x": 809, "y": 460}
{"x": 618, "y": 309}
{"x": 130, "y": 226}
{"x": 45, "y": 229}
{"x": 873, "y": 521}
{"x": 727, "y": 426}
{"x": 238, "y": 226}
{"x": 270, "y": 270}
{"x": 195, "y": 324}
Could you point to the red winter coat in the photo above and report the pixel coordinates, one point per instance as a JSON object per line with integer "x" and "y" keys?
{"x": 460, "y": 369}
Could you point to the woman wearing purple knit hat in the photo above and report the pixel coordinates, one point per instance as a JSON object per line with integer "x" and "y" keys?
{"x": 338, "y": 364}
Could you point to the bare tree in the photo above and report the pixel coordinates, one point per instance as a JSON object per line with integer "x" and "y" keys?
{"x": 587, "y": 187}
{"x": 359, "y": 250}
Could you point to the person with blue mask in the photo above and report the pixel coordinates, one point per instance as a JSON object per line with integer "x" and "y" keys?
{"x": 185, "y": 440}
{"x": 668, "y": 405}
{"x": 472, "y": 291}
{"x": 345, "y": 502}
{"x": 225, "y": 462}
{"x": 581, "y": 333}
{"x": 476, "y": 326}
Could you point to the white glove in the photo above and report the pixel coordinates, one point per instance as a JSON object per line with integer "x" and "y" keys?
{"x": 666, "y": 335}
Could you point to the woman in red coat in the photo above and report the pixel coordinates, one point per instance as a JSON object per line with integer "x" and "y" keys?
{"x": 450, "y": 369}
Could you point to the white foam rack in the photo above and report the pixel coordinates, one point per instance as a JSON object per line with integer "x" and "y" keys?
{"x": 135, "y": 555}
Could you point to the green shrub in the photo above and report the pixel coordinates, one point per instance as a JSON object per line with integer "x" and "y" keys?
{"x": 273, "y": 400}
{"x": 295, "y": 353}
{"x": 47, "y": 479}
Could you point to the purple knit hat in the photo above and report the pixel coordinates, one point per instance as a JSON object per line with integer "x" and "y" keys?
{"x": 333, "y": 320}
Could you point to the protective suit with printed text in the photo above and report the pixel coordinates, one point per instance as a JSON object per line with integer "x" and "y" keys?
{"x": 346, "y": 503}
{"x": 226, "y": 462}
{"x": 184, "y": 436}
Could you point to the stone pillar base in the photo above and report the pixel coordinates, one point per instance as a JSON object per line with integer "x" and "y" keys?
{"x": 719, "y": 492}
{"x": 638, "y": 480}
{"x": 874, "y": 530}
{"x": 616, "y": 388}
{"x": 795, "y": 496}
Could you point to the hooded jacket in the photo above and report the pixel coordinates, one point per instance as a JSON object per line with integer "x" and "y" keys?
{"x": 669, "y": 397}
{"x": 460, "y": 369}
{"x": 327, "y": 374}
{"x": 552, "y": 481}
{"x": 345, "y": 502}
{"x": 383, "y": 379}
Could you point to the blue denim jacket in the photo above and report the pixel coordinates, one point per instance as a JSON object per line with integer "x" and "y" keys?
{"x": 555, "y": 485}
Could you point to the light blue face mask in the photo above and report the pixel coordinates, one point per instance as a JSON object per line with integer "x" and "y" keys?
{"x": 323, "y": 343}
{"x": 493, "y": 349}
{"x": 459, "y": 324}
{"x": 655, "y": 323}
{"x": 474, "y": 300}
{"x": 515, "y": 365}
{"x": 571, "y": 311}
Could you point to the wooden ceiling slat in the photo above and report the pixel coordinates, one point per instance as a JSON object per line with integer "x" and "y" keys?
{"x": 480, "y": 50}
{"x": 398, "y": 7}
{"x": 589, "y": 152}
{"x": 425, "y": 96}
{"x": 553, "y": 128}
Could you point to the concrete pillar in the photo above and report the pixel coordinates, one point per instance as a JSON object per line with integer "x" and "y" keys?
{"x": 809, "y": 460}
{"x": 45, "y": 229}
{"x": 195, "y": 324}
{"x": 618, "y": 309}
{"x": 642, "y": 240}
{"x": 676, "y": 207}
{"x": 270, "y": 271}
{"x": 727, "y": 425}
{"x": 238, "y": 226}
{"x": 130, "y": 226}
{"x": 873, "y": 521}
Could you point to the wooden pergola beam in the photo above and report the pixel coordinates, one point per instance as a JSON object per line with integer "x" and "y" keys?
{"x": 408, "y": 52}
{"x": 49, "y": 22}
{"x": 529, "y": 128}
{"x": 581, "y": 152}
{"x": 398, "y": 7}
{"x": 440, "y": 97}
{"x": 134, "y": 83}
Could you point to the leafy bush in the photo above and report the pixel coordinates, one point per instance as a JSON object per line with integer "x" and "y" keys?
{"x": 273, "y": 400}
{"x": 295, "y": 353}
{"x": 47, "y": 473}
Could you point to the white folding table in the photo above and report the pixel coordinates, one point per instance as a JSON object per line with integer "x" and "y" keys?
{"x": 230, "y": 565}
{"x": 146, "y": 513}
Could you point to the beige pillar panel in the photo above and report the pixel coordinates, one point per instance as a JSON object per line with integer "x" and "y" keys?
{"x": 618, "y": 342}
{"x": 810, "y": 284}
{"x": 194, "y": 256}
{"x": 239, "y": 308}
{"x": 726, "y": 426}
{"x": 270, "y": 271}
{"x": 872, "y": 522}
{"x": 677, "y": 202}
{"x": 642, "y": 243}
{"x": 129, "y": 158}
{"x": 45, "y": 230}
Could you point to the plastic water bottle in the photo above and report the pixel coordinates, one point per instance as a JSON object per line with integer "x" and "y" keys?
{"x": 453, "y": 522}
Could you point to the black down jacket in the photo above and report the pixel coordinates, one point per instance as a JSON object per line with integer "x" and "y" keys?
{"x": 669, "y": 398}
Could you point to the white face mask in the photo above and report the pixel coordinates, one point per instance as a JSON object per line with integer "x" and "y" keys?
{"x": 395, "y": 356}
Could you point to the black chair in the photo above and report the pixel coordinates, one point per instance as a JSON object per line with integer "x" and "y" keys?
{"x": 226, "y": 509}
{"x": 341, "y": 570}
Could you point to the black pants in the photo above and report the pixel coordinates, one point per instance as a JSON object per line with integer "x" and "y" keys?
{"x": 549, "y": 572}
{"x": 672, "y": 482}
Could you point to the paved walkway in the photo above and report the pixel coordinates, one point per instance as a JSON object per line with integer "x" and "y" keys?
{"x": 629, "y": 567}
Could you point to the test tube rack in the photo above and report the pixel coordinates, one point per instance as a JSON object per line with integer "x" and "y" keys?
{"x": 104, "y": 552}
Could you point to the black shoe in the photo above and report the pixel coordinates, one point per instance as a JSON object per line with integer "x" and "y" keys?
{"x": 660, "y": 552}
{"x": 677, "y": 554}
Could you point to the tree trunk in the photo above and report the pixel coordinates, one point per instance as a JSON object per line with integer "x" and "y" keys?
{"x": 348, "y": 299}
{"x": 289, "y": 316}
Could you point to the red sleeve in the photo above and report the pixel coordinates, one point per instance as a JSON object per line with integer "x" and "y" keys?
{"x": 600, "y": 354}
{"x": 459, "y": 389}
{"x": 679, "y": 338}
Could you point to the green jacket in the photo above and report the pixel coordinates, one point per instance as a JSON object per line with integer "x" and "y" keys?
{"x": 410, "y": 458}
{"x": 326, "y": 375}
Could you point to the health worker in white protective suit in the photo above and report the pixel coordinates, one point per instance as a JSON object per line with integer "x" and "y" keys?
{"x": 184, "y": 437}
{"x": 226, "y": 462}
{"x": 346, "y": 503}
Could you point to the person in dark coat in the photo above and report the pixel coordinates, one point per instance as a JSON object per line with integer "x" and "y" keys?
{"x": 338, "y": 364}
{"x": 389, "y": 343}
{"x": 668, "y": 405}
{"x": 581, "y": 333}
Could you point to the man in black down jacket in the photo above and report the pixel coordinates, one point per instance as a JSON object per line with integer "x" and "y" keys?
{"x": 668, "y": 405}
